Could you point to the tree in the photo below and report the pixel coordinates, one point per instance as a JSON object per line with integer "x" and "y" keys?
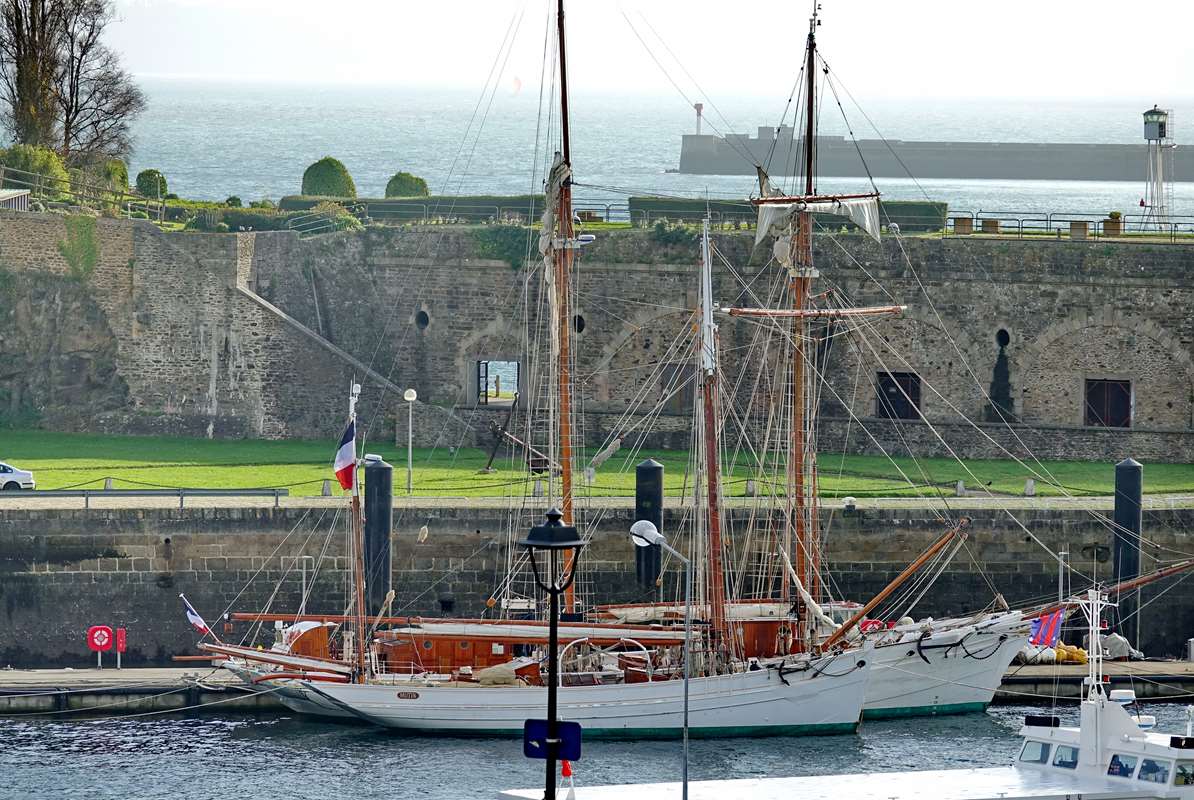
{"x": 97, "y": 100}
{"x": 328, "y": 177}
{"x": 30, "y": 33}
{"x": 40, "y": 170}
{"x": 61, "y": 87}
{"x": 233, "y": 202}
{"x": 152, "y": 184}
{"x": 403, "y": 184}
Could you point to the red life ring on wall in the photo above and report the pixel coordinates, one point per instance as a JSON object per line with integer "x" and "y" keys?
{"x": 99, "y": 638}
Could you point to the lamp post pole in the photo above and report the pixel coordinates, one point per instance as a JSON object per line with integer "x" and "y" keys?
{"x": 410, "y": 396}
{"x": 644, "y": 534}
{"x": 553, "y": 537}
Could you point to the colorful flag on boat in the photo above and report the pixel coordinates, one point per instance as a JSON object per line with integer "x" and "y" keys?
{"x": 345, "y": 462}
{"x": 193, "y": 616}
{"x": 1046, "y": 629}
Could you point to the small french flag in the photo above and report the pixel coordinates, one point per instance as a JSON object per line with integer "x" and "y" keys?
{"x": 346, "y": 455}
{"x": 1046, "y": 630}
{"x": 193, "y": 617}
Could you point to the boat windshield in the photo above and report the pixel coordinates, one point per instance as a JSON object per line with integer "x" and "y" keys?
{"x": 1185, "y": 774}
{"x": 1154, "y": 771}
{"x": 1122, "y": 766}
{"x": 1035, "y": 752}
{"x": 1066, "y": 757}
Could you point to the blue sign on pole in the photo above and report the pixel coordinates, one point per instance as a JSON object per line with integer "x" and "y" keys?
{"x": 534, "y": 739}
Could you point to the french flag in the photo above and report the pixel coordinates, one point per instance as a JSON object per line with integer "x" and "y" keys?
{"x": 1046, "y": 630}
{"x": 194, "y": 618}
{"x": 346, "y": 456}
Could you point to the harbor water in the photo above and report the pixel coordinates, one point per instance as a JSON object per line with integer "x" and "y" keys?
{"x": 179, "y": 758}
{"x": 213, "y": 139}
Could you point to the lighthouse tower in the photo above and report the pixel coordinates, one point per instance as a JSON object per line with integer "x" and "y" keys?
{"x": 1158, "y": 191}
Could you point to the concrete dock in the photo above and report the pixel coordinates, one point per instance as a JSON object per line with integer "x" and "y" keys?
{"x": 201, "y": 689}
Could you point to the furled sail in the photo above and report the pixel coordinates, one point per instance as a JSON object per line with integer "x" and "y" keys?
{"x": 557, "y": 178}
{"x": 862, "y": 211}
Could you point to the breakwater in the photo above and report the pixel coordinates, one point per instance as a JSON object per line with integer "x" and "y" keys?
{"x": 64, "y": 570}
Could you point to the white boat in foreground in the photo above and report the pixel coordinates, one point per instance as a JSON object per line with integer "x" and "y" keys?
{"x": 1111, "y": 755}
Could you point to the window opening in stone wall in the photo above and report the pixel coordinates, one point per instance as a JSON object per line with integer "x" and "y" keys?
{"x": 422, "y": 320}
{"x": 677, "y": 389}
{"x": 1108, "y": 403}
{"x": 497, "y": 382}
{"x": 897, "y": 395}
{"x": 578, "y": 323}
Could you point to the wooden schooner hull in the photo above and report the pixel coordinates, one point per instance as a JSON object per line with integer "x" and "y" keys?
{"x": 822, "y": 696}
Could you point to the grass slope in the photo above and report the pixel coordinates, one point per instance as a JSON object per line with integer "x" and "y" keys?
{"x": 63, "y": 460}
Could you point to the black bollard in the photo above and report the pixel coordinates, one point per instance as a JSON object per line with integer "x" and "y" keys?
{"x": 648, "y": 505}
{"x": 379, "y": 521}
{"x": 1129, "y": 486}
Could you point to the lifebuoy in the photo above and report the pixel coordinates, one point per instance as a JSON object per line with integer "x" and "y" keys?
{"x": 99, "y": 638}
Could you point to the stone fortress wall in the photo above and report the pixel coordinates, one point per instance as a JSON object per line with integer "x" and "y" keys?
{"x": 259, "y": 334}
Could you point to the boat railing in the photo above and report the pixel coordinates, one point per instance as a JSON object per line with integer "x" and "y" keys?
{"x": 647, "y": 664}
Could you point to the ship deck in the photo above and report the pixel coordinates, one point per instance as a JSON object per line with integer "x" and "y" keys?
{"x": 992, "y": 783}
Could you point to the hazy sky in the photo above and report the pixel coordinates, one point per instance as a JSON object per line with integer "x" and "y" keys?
{"x": 940, "y": 48}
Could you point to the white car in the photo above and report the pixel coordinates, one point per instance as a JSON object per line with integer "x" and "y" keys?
{"x": 12, "y": 478}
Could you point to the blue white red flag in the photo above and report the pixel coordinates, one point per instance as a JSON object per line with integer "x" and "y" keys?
{"x": 346, "y": 455}
{"x": 193, "y": 616}
{"x": 1046, "y": 629}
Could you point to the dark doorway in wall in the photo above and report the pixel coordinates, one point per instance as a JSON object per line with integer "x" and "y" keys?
{"x": 497, "y": 382}
{"x": 1108, "y": 403}
{"x": 1002, "y": 407}
{"x": 897, "y": 395}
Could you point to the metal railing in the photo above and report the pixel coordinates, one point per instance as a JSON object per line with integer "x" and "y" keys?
{"x": 1076, "y": 225}
{"x": 319, "y": 222}
{"x": 182, "y": 494}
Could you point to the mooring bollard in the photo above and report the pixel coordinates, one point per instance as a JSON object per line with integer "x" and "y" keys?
{"x": 107, "y": 484}
{"x": 327, "y": 487}
{"x": 1030, "y": 488}
{"x": 960, "y": 489}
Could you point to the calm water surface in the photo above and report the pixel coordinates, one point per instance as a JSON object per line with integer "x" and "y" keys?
{"x": 293, "y": 758}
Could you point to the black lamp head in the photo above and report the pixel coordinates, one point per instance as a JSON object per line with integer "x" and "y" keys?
{"x": 553, "y": 535}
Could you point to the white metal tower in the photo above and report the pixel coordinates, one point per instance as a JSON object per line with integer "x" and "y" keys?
{"x": 1158, "y": 191}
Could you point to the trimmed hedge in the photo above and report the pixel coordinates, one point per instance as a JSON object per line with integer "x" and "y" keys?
{"x": 328, "y": 176}
{"x": 403, "y": 184}
{"x": 910, "y": 215}
{"x": 471, "y": 208}
{"x": 151, "y": 184}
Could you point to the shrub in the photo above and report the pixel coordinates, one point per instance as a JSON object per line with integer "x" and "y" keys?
{"x": 233, "y": 202}
{"x": 403, "y": 184}
{"x": 1114, "y": 215}
{"x": 151, "y": 183}
{"x": 116, "y": 174}
{"x": 328, "y": 177}
{"x": 505, "y": 242}
{"x": 49, "y": 177}
{"x": 264, "y": 202}
{"x": 80, "y": 248}
{"x": 338, "y": 214}
{"x": 672, "y": 233}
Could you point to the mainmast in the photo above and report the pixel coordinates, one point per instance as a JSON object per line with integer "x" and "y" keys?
{"x": 708, "y": 363}
{"x": 563, "y": 256}
{"x": 801, "y": 496}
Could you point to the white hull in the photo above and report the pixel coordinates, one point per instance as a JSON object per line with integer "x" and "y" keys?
{"x": 952, "y": 671}
{"x": 826, "y": 699}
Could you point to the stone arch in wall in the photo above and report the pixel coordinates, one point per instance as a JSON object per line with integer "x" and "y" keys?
{"x": 494, "y": 342}
{"x": 640, "y": 352}
{"x": 1110, "y": 344}
{"x": 954, "y": 370}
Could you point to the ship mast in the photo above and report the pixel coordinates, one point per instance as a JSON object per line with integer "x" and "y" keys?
{"x": 708, "y": 364}
{"x": 801, "y": 516}
{"x": 563, "y": 251}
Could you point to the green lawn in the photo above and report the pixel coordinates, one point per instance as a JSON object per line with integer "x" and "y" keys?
{"x": 68, "y": 460}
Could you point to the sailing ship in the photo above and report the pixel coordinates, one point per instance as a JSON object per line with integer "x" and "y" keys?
{"x": 623, "y": 680}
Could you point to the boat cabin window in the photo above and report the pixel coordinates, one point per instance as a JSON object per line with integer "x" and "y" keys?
{"x": 1035, "y": 752}
{"x": 1066, "y": 757}
{"x": 1122, "y": 766}
{"x": 897, "y": 395}
{"x": 1154, "y": 771}
{"x": 1185, "y": 774}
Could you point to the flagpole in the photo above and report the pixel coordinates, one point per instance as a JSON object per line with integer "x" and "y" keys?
{"x": 358, "y": 543}
{"x": 191, "y": 608}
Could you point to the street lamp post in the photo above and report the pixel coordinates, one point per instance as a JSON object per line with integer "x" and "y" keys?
{"x": 554, "y": 537}
{"x": 410, "y": 396}
{"x": 644, "y": 534}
